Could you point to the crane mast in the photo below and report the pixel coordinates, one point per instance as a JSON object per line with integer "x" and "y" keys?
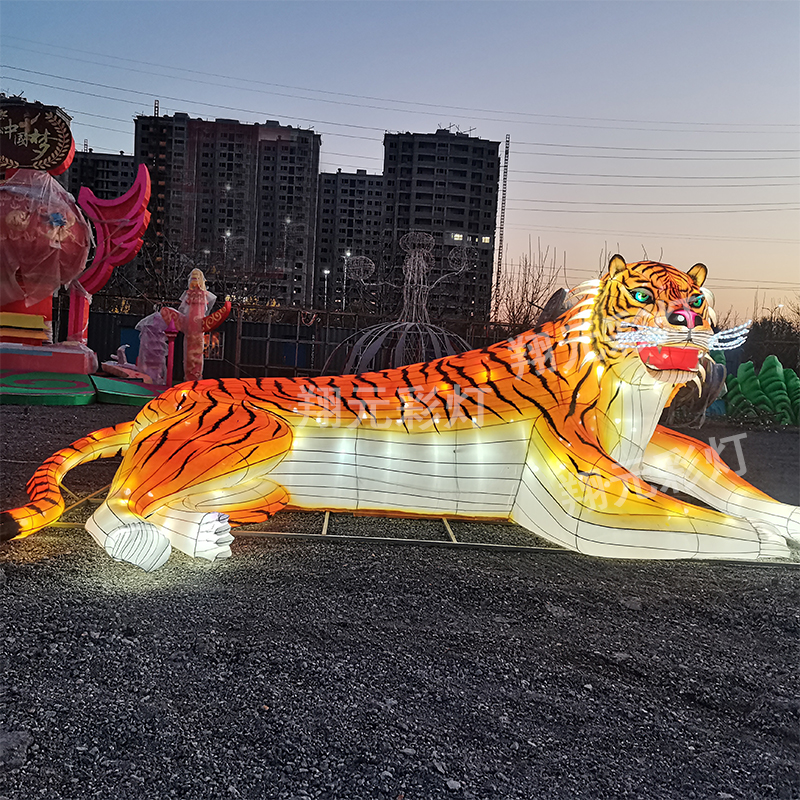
{"x": 501, "y": 226}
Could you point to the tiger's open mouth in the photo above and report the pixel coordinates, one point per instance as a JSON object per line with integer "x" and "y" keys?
{"x": 684, "y": 359}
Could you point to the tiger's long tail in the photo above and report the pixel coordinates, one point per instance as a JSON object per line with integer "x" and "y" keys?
{"x": 44, "y": 488}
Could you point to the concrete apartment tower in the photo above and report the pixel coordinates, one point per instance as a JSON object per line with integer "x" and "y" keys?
{"x": 108, "y": 175}
{"x": 445, "y": 184}
{"x": 237, "y": 200}
{"x": 349, "y": 226}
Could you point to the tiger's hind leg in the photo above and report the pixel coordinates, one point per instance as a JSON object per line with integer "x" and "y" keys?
{"x": 183, "y": 474}
{"x": 135, "y": 541}
{"x": 200, "y": 524}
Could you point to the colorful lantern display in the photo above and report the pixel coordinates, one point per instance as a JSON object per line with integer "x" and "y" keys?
{"x": 46, "y": 239}
{"x": 120, "y": 224}
{"x": 556, "y": 429}
{"x": 44, "y": 236}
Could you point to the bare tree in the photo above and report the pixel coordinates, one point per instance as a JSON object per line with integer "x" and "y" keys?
{"x": 525, "y": 289}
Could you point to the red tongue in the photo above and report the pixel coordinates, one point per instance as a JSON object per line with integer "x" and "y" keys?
{"x": 684, "y": 358}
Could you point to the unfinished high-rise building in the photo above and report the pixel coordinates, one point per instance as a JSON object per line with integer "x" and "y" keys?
{"x": 445, "y": 184}
{"x": 237, "y": 200}
{"x": 108, "y": 175}
{"x": 349, "y": 225}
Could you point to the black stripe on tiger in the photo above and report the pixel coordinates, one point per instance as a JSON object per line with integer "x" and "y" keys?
{"x": 401, "y": 404}
{"x": 253, "y": 420}
{"x": 544, "y": 412}
{"x": 574, "y": 400}
{"x": 493, "y": 386}
{"x": 504, "y": 364}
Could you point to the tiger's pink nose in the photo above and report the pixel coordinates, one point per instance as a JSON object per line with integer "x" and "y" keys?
{"x": 686, "y": 318}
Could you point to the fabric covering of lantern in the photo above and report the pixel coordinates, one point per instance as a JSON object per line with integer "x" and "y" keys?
{"x": 44, "y": 238}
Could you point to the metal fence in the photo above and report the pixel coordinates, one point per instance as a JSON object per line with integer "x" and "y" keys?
{"x": 254, "y": 341}
{"x": 258, "y": 341}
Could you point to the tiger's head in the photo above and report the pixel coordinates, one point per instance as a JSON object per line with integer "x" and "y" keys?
{"x": 654, "y": 316}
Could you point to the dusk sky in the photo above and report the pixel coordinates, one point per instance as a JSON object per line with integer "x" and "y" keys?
{"x": 666, "y": 129}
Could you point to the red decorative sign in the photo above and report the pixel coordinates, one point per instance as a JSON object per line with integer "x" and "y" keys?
{"x": 34, "y": 136}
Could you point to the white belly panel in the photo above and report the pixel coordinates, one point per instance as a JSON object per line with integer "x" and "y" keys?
{"x": 319, "y": 472}
{"x": 468, "y": 472}
{"x": 489, "y": 465}
{"x": 414, "y": 473}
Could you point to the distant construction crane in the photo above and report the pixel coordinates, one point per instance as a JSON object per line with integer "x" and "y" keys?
{"x": 499, "y": 270}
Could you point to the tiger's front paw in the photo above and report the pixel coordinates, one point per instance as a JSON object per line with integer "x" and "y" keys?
{"x": 793, "y": 526}
{"x": 772, "y": 542}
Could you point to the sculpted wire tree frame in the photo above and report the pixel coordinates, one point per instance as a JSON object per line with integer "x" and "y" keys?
{"x": 556, "y": 430}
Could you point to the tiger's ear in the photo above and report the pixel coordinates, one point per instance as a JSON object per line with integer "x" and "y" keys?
{"x": 698, "y": 273}
{"x": 616, "y": 265}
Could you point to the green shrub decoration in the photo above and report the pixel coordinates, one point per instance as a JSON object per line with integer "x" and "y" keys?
{"x": 775, "y": 391}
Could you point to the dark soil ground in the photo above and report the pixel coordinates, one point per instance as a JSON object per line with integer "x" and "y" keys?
{"x": 363, "y": 671}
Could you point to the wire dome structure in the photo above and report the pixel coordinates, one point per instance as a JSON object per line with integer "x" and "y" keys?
{"x": 394, "y": 344}
{"x": 412, "y": 338}
{"x": 358, "y": 267}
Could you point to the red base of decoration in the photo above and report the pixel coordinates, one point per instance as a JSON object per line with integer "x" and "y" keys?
{"x": 44, "y": 308}
{"x": 61, "y": 358}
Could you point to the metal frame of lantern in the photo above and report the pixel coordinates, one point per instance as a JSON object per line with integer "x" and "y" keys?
{"x": 394, "y": 344}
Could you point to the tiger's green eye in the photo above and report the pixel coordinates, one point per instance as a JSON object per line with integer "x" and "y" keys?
{"x": 642, "y": 296}
{"x": 697, "y": 301}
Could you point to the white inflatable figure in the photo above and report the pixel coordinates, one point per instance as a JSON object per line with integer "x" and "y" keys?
{"x": 153, "y": 348}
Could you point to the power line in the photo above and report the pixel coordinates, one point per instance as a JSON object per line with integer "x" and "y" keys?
{"x": 173, "y": 99}
{"x": 376, "y": 139}
{"x": 557, "y": 228}
{"x": 438, "y": 107}
{"x": 192, "y": 102}
{"x": 653, "y": 177}
{"x": 729, "y": 208}
{"x": 354, "y": 155}
{"x": 704, "y": 237}
{"x": 638, "y": 211}
{"x": 722, "y": 283}
{"x": 618, "y": 185}
{"x": 73, "y": 111}
{"x": 793, "y": 204}
{"x": 519, "y": 180}
{"x": 664, "y": 158}
{"x": 364, "y": 127}
{"x": 101, "y": 127}
{"x": 648, "y": 149}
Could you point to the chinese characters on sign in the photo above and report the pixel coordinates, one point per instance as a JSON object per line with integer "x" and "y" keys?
{"x": 34, "y": 136}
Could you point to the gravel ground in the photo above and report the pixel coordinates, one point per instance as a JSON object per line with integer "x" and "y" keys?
{"x": 363, "y": 670}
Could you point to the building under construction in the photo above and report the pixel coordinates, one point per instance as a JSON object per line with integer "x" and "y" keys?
{"x": 238, "y": 200}
{"x": 444, "y": 184}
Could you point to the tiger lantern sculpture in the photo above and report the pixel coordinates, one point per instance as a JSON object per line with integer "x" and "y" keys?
{"x": 556, "y": 430}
